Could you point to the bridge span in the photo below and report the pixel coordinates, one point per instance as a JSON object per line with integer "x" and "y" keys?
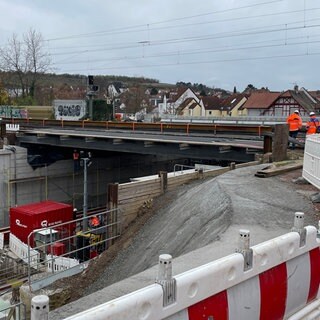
{"x": 192, "y": 146}
{"x": 198, "y": 141}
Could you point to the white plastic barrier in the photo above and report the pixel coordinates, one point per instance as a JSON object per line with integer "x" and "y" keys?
{"x": 284, "y": 278}
{"x": 1, "y": 240}
{"x": 12, "y": 127}
{"x": 20, "y": 249}
{"x": 57, "y": 263}
{"x": 311, "y": 160}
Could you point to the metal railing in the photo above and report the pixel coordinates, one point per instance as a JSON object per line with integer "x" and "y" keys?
{"x": 65, "y": 249}
{"x": 181, "y": 167}
{"x": 15, "y": 311}
{"x": 264, "y": 120}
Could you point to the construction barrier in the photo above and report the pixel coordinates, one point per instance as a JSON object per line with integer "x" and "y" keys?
{"x": 12, "y": 127}
{"x": 311, "y": 160}
{"x": 57, "y": 263}
{"x": 273, "y": 280}
{"x": 54, "y": 263}
{"x": 274, "y": 294}
{"x": 22, "y": 251}
{"x": 1, "y": 241}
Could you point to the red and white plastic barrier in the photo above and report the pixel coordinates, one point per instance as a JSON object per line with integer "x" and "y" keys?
{"x": 284, "y": 278}
{"x": 274, "y": 294}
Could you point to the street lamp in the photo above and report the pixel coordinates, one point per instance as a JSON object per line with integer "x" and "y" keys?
{"x": 86, "y": 163}
{"x": 113, "y": 107}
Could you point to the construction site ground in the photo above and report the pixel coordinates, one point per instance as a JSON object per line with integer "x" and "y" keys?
{"x": 196, "y": 223}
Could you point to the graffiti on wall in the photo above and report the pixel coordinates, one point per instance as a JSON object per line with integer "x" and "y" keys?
{"x": 12, "y": 112}
{"x": 69, "y": 109}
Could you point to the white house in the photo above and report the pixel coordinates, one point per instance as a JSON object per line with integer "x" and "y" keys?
{"x": 176, "y": 98}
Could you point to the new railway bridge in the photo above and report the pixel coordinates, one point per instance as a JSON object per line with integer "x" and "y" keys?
{"x": 198, "y": 141}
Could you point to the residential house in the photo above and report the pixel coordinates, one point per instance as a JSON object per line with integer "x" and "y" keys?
{"x": 115, "y": 89}
{"x": 232, "y": 104}
{"x": 259, "y": 102}
{"x": 164, "y": 107}
{"x": 174, "y": 99}
{"x": 154, "y": 100}
{"x": 266, "y": 103}
{"x": 315, "y": 95}
{"x": 189, "y": 107}
{"x": 212, "y": 107}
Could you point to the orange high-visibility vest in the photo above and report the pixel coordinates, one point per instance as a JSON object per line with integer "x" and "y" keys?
{"x": 312, "y": 125}
{"x": 294, "y": 121}
{"x": 75, "y": 156}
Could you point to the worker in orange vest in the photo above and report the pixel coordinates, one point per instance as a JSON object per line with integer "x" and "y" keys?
{"x": 295, "y": 124}
{"x": 313, "y": 124}
{"x": 94, "y": 222}
{"x": 76, "y": 160}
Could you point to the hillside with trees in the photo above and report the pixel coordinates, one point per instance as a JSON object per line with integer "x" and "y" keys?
{"x": 49, "y": 86}
{"x": 204, "y": 90}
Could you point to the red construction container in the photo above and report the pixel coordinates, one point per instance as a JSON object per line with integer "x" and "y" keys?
{"x": 26, "y": 218}
{"x": 93, "y": 254}
{"x": 58, "y": 249}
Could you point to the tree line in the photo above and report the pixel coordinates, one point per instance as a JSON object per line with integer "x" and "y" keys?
{"x": 27, "y": 78}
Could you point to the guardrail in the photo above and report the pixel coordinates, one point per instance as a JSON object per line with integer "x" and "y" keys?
{"x": 212, "y": 128}
{"x": 262, "y": 120}
{"x": 276, "y": 279}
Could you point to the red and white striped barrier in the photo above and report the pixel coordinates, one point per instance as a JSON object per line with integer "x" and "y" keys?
{"x": 274, "y": 294}
{"x": 284, "y": 279}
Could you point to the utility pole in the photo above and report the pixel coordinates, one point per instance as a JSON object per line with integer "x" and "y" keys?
{"x": 90, "y": 96}
{"x": 86, "y": 164}
{"x": 113, "y": 108}
{"x": 91, "y": 91}
{"x": 85, "y": 195}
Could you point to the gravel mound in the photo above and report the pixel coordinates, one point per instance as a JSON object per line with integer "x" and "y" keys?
{"x": 200, "y": 213}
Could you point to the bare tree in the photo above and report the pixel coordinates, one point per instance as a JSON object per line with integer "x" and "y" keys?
{"x": 38, "y": 60}
{"x": 4, "y": 97}
{"x": 135, "y": 99}
{"x": 24, "y": 61}
{"x": 12, "y": 62}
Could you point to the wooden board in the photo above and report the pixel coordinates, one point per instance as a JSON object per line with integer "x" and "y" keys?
{"x": 274, "y": 170}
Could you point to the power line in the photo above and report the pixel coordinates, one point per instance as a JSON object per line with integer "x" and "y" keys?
{"x": 243, "y": 32}
{"x": 218, "y": 50}
{"x": 208, "y": 61}
{"x": 99, "y": 33}
{"x": 201, "y": 23}
{"x": 195, "y": 52}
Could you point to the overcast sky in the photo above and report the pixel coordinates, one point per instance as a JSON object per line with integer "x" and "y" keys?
{"x": 267, "y": 43}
